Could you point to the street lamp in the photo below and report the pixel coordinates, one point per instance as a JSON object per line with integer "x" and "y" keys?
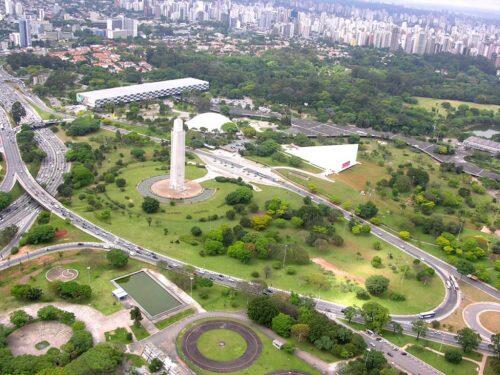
{"x": 88, "y": 271}
{"x": 191, "y": 278}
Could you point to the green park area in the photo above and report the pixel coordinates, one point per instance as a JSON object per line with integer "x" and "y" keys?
{"x": 93, "y": 270}
{"x": 233, "y": 347}
{"x": 311, "y": 267}
{"x": 269, "y": 360}
{"x": 430, "y": 103}
{"x": 453, "y": 203}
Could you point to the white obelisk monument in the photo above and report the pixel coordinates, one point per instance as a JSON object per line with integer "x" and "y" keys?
{"x": 177, "y": 156}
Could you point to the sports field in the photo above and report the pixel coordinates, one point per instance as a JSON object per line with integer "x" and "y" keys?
{"x": 146, "y": 291}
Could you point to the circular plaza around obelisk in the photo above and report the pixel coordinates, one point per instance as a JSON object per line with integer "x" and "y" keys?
{"x": 162, "y": 188}
{"x": 158, "y": 187}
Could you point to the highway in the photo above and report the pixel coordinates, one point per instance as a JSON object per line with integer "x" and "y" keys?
{"x": 24, "y": 210}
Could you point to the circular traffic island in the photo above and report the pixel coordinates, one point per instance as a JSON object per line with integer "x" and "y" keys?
{"x": 221, "y": 345}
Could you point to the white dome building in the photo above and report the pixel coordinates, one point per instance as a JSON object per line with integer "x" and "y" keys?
{"x": 209, "y": 120}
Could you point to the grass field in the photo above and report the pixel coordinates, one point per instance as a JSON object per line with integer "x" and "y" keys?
{"x": 119, "y": 336}
{"x": 438, "y": 362}
{"x": 267, "y": 160}
{"x": 98, "y": 277}
{"x": 357, "y": 185}
{"x": 222, "y": 345}
{"x": 169, "y": 234}
{"x": 492, "y": 365}
{"x": 271, "y": 359}
{"x": 430, "y": 103}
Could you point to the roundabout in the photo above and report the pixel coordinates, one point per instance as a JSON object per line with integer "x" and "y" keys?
{"x": 221, "y": 346}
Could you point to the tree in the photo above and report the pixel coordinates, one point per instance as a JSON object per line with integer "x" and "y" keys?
{"x": 79, "y": 343}
{"x": 150, "y": 205}
{"x": 468, "y": 339}
{"x": 377, "y": 284}
{"x": 464, "y": 267}
{"x": 495, "y": 343}
{"x": 350, "y": 312}
{"x": 138, "y": 153}
{"x": 262, "y": 310}
{"x": 18, "y": 112}
{"x": 155, "y": 365}
{"x": 453, "y": 356}
{"x": 300, "y": 331}
{"x": 120, "y": 182}
{"x": 73, "y": 291}
{"x": 101, "y": 359}
{"x": 26, "y": 292}
{"x": 136, "y": 316}
{"x": 5, "y": 199}
{"x": 367, "y": 210}
{"x": 240, "y": 195}
{"x": 374, "y": 360}
{"x": 117, "y": 258}
{"x": 39, "y": 234}
{"x": 375, "y": 315}
{"x": 396, "y": 327}
{"x": 419, "y": 327}
{"x": 282, "y": 324}
{"x": 82, "y": 126}
{"x": 19, "y": 318}
{"x": 196, "y": 231}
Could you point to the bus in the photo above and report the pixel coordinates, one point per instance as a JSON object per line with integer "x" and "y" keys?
{"x": 453, "y": 282}
{"x": 427, "y": 315}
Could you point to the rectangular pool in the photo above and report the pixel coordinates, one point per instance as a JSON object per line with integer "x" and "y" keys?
{"x": 147, "y": 292}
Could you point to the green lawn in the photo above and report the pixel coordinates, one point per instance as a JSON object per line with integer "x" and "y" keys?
{"x": 98, "y": 277}
{"x": 140, "y": 332}
{"x": 375, "y": 159}
{"x": 440, "y": 363}
{"x": 429, "y": 103}
{"x": 222, "y": 345}
{"x": 271, "y": 359}
{"x": 492, "y": 366}
{"x": 174, "y": 318}
{"x": 119, "y": 336}
{"x": 221, "y": 298}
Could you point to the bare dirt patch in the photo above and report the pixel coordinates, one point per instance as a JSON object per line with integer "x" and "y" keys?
{"x": 490, "y": 320}
{"x": 61, "y": 233}
{"x": 323, "y": 263}
{"x": 24, "y": 339}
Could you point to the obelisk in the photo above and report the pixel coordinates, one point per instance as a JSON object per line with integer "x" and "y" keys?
{"x": 177, "y": 156}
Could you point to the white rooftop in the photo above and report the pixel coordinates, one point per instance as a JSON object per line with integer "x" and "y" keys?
{"x": 333, "y": 158}
{"x": 209, "y": 120}
{"x": 142, "y": 88}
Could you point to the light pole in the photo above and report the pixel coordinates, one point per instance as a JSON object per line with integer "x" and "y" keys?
{"x": 284, "y": 257}
{"x": 191, "y": 278}
{"x": 88, "y": 271}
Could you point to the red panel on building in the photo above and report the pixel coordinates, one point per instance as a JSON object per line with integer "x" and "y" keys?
{"x": 346, "y": 164}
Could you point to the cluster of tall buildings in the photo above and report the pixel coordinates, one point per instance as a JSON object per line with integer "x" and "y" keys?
{"x": 114, "y": 28}
{"x": 413, "y": 33}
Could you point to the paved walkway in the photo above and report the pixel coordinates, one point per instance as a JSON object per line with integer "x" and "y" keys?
{"x": 96, "y": 322}
{"x": 166, "y": 339}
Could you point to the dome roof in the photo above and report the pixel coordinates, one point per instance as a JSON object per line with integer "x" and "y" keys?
{"x": 209, "y": 120}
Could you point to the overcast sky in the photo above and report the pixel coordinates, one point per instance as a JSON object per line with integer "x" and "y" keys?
{"x": 493, "y": 5}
